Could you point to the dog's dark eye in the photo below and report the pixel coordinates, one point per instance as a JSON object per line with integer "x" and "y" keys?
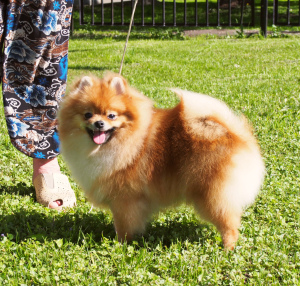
{"x": 88, "y": 115}
{"x": 111, "y": 116}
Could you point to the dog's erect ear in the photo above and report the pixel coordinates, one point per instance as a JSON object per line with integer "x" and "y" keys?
{"x": 118, "y": 84}
{"x": 84, "y": 82}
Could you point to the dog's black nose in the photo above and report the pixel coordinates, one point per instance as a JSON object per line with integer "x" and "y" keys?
{"x": 99, "y": 124}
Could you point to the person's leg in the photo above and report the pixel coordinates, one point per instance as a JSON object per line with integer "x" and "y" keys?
{"x": 45, "y": 166}
{"x": 2, "y": 32}
{"x": 35, "y": 59}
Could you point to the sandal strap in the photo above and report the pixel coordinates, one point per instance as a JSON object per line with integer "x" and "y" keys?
{"x": 53, "y": 187}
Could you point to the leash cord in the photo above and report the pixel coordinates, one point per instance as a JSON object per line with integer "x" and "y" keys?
{"x": 127, "y": 38}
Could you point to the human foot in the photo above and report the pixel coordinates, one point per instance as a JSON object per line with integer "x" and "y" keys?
{"x": 44, "y": 179}
{"x": 54, "y": 191}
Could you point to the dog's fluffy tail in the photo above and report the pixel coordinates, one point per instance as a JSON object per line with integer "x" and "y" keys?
{"x": 197, "y": 107}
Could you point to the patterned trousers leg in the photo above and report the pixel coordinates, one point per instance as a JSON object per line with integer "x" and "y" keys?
{"x": 34, "y": 37}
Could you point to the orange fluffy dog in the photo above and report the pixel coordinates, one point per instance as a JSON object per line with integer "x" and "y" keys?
{"x": 136, "y": 159}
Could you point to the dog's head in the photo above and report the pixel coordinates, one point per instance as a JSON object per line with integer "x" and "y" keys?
{"x": 104, "y": 109}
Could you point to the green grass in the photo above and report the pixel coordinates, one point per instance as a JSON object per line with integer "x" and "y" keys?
{"x": 257, "y": 77}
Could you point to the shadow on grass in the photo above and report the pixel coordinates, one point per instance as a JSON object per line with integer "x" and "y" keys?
{"x": 52, "y": 225}
{"x": 77, "y": 226}
{"x": 20, "y": 189}
{"x": 159, "y": 34}
{"x": 174, "y": 232}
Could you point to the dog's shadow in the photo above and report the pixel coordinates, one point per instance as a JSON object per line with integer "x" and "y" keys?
{"x": 78, "y": 225}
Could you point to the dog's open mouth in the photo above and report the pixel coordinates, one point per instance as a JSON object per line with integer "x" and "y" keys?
{"x": 100, "y": 137}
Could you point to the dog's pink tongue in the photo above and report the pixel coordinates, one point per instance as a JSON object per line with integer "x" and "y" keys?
{"x": 99, "y": 137}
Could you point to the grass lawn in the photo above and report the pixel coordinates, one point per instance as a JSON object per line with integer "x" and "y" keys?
{"x": 259, "y": 77}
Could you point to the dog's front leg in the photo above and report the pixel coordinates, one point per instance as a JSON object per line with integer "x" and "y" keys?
{"x": 130, "y": 216}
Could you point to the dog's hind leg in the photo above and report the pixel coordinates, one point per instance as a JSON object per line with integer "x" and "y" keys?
{"x": 228, "y": 224}
{"x": 224, "y": 218}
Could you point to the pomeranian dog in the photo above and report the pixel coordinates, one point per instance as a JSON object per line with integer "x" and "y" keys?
{"x": 136, "y": 159}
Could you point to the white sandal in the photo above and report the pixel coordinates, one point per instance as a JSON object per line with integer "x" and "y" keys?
{"x": 54, "y": 187}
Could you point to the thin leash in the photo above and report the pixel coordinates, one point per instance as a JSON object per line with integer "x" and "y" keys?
{"x": 127, "y": 38}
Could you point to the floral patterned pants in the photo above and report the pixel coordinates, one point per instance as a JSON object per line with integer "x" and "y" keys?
{"x": 34, "y": 37}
